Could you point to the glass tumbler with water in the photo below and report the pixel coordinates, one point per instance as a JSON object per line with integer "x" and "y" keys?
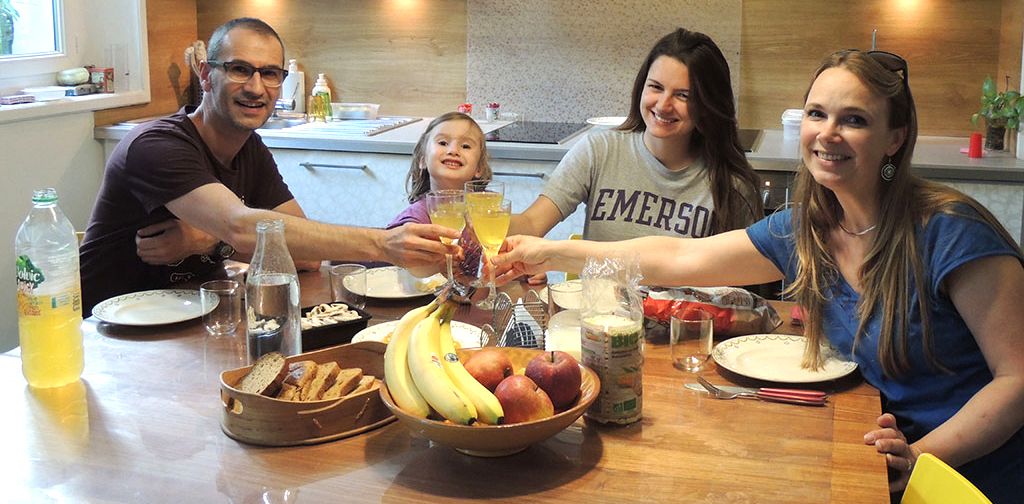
{"x": 272, "y": 295}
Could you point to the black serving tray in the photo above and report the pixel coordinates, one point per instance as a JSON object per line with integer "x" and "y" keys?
{"x": 334, "y": 334}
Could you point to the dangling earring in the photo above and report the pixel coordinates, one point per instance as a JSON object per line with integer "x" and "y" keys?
{"x": 888, "y": 170}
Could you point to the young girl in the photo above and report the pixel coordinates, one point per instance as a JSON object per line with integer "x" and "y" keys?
{"x": 451, "y": 152}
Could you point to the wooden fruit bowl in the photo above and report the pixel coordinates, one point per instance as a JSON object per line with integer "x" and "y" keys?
{"x": 499, "y": 440}
{"x": 262, "y": 420}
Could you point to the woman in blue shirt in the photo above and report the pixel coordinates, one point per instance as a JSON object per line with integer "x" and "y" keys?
{"x": 916, "y": 282}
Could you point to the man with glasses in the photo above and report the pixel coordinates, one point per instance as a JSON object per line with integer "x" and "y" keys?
{"x": 183, "y": 193}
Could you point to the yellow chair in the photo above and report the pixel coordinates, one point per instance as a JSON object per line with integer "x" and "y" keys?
{"x": 934, "y": 482}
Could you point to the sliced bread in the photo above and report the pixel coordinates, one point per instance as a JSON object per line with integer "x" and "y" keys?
{"x": 365, "y": 383}
{"x": 324, "y": 379}
{"x": 288, "y": 392}
{"x": 347, "y": 381}
{"x": 301, "y": 373}
{"x": 266, "y": 375}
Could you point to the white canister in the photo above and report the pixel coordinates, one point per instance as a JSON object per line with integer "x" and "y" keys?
{"x": 791, "y": 119}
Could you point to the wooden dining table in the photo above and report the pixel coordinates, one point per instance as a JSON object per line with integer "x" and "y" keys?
{"x": 143, "y": 425}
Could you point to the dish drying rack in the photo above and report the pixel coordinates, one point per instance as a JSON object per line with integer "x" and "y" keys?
{"x": 518, "y": 324}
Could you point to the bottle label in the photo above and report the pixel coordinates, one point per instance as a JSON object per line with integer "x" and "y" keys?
{"x": 29, "y": 278}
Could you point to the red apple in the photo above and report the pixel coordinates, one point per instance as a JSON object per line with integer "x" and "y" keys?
{"x": 489, "y": 366}
{"x": 558, "y": 374}
{"x": 522, "y": 400}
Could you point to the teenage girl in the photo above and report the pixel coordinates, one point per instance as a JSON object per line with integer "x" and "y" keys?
{"x": 451, "y": 152}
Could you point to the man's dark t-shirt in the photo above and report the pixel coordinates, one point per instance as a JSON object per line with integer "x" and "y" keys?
{"x": 155, "y": 163}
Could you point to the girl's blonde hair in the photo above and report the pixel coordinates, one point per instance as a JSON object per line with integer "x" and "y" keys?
{"x": 893, "y": 260}
{"x": 417, "y": 181}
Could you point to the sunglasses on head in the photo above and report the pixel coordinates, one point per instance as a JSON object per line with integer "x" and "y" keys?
{"x": 892, "y": 62}
{"x": 240, "y": 72}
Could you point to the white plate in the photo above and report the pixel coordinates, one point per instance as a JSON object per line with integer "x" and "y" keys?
{"x": 606, "y": 122}
{"x": 777, "y": 357}
{"x": 389, "y": 282}
{"x": 148, "y": 308}
{"x": 466, "y": 335}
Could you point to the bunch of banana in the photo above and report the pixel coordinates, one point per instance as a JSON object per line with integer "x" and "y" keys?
{"x": 423, "y": 372}
{"x": 488, "y": 409}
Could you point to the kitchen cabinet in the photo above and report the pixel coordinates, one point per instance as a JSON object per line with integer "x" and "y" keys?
{"x": 351, "y": 188}
{"x": 1005, "y": 201}
{"x": 368, "y": 189}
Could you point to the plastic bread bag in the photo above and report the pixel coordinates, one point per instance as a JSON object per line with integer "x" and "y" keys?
{"x": 612, "y": 337}
{"x": 736, "y": 311}
{"x": 611, "y": 286}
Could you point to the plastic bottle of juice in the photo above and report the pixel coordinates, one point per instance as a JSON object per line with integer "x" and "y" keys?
{"x": 49, "y": 294}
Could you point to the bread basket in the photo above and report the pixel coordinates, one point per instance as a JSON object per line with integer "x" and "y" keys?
{"x": 267, "y": 421}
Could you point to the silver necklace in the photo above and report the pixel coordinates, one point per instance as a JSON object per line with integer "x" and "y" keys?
{"x": 858, "y": 233}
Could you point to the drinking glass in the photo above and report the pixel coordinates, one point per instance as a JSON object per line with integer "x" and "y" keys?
{"x": 348, "y": 284}
{"x": 221, "y": 301}
{"x": 448, "y": 208}
{"x": 490, "y": 219}
{"x": 563, "y": 332}
{"x": 691, "y": 334}
{"x": 483, "y": 194}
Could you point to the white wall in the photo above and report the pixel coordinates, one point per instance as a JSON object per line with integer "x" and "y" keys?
{"x": 53, "y": 152}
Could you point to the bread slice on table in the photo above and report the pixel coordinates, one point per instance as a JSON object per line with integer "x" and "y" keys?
{"x": 301, "y": 373}
{"x": 365, "y": 383}
{"x": 288, "y": 392}
{"x": 266, "y": 375}
{"x": 347, "y": 381}
{"x": 324, "y": 379}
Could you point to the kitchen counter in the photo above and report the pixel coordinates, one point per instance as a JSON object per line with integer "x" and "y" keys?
{"x": 319, "y": 165}
{"x": 935, "y": 157}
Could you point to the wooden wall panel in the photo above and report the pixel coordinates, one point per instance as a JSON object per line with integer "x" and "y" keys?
{"x": 407, "y": 55}
{"x": 951, "y": 45}
{"x": 410, "y": 55}
{"x": 1010, "y": 39}
{"x": 171, "y": 26}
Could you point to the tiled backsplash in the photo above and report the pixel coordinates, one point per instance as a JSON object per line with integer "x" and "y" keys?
{"x": 564, "y": 61}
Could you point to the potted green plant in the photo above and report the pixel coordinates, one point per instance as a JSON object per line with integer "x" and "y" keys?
{"x": 1001, "y": 110}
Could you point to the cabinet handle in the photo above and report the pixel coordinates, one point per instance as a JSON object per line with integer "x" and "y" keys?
{"x": 310, "y": 166}
{"x": 542, "y": 176}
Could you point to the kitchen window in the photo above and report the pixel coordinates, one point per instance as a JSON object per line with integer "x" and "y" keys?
{"x": 30, "y": 28}
{"x": 39, "y": 38}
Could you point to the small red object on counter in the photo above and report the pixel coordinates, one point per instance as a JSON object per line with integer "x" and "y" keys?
{"x": 466, "y": 108}
{"x": 975, "y": 149}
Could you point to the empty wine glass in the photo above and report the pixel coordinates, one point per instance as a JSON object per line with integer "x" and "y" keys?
{"x": 448, "y": 208}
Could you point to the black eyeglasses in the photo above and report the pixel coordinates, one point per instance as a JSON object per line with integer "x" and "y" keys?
{"x": 241, "y": 72}
{"x": 892, "y": 62}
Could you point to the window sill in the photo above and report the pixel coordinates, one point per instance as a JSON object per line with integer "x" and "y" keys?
{"x": 70, "y": 104}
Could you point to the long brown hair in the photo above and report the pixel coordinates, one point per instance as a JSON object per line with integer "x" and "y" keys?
{"x": 417, "y": 181}
{"x": 734, "y": 184}
{"x": 893, "y": 260}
